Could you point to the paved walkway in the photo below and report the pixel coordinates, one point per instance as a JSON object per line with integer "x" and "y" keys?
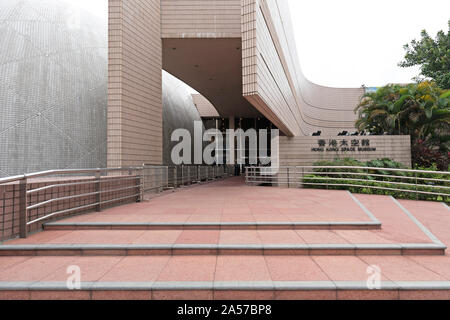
{"x": 225, "y": 240}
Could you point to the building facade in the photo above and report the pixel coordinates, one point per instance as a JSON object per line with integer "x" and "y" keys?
{"x": 76, "y": 92}
{"x": 240, "y": 55}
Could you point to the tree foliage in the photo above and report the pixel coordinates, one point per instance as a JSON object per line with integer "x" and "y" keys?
{"x": 432, "y": 55}
{"x": 419, "y": 110}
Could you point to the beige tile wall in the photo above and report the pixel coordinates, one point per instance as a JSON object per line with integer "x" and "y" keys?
{"x": 273, "y": 80}
{"x": 134, "y": 86}
{"x": 204, "y": 107}
{"x": 201, "y": 18}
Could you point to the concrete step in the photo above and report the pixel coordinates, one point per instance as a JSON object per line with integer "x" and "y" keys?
{"x": 219, "y": 249}
{"x": 53, "y": 226}
{"x": 221, "y": 290}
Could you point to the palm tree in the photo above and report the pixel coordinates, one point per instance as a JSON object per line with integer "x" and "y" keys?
{"x": 419, "y": 110}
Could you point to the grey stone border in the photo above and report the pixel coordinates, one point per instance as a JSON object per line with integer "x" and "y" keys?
{"x": 226, "y": 286}
{"x": 369, "y": 214}
{"x": 217, "y": 249}
{"x": 445, "y": 205}
{"x": 427, "y": 232}
{"x": 219, "y": 226}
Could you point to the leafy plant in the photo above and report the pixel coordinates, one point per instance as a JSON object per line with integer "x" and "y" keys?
{"x": 379, "y": 181}
{"x": 432, "y": 55}
{"x": 421, "y": 111}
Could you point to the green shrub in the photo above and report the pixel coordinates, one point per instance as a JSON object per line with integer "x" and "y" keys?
{"x": 379, "y": 181}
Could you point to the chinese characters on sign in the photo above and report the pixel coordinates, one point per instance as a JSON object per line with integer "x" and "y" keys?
{"x": 344, "y": 145}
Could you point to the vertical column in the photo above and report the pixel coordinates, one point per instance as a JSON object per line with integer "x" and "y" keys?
{"x": 134, "y": 83}
{"x": 23, "y": 212}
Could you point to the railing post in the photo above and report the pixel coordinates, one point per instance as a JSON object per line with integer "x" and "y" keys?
{"x": 161, "y": 184}
{"x": 288, "y": 178}
{"x": 166, "y": 170}
{"x": 182, "y": 175}
{"x": 417, "y": 190}
{"x": 303, "y": 177}
{"x": 246, "y": 175}
{"x": 175, "y": 177}
{"x": 141, "y": 189}
{"x": 23, "y": 212}
{"x": 98, "y": 189}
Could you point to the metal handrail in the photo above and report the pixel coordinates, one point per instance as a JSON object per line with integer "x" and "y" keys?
{"x": 63, "y": 171}
{"x": 298, "y": 176}
{"x": 97, "y": 180}
{"x": 148, "y": 178}
{"x": 354, "y": 167}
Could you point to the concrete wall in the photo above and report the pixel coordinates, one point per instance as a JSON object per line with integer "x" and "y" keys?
{"x": 298, "y": 151}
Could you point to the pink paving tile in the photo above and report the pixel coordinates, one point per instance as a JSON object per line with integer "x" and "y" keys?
{"x": 98, "y": 237}
{"x": 393, "y": 234}
{"x": 294, "y": 268}
{"x": 184, "y": 210}
{"x": 344, "y": 268}
{"x": 242, "y": 268}
{"x": 279, "y": 236}
{"x": 237, "y": 218}
{"x": 433, "y": 215}
{"x": 216, "y": 218}
{"x": 239, "y": 237}
{"x": 189, "y": 268}
{"x": 10, "y": 262}
{"x": 158, "y": 237}
{"x": 92, "y": 268}
{"x": 266, "y": 210}
{"x": 402, "y": 268}
{"x": 233, "y": 204}
{"x": 437, "y": 264}
{"x": 270, "y": 218}
{"x": 40, "y": 237}
{"x": 35, "y": 269}
{"x": 133, "y": 269}
{"x": 361, "y": 236}
{"x": 244, "y": 210}
{"x": 199, "y": 237}
{"x": 303, "y": 217}
{"x": 208, "y": 211}
{"x": 176, "y": 218}
{"x": 294, "y": 211}
{"x": 320, "y": 236}
{"x": 395, "y": 222}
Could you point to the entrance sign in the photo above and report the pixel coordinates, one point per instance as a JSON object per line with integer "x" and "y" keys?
{"x": 343, "y": 145}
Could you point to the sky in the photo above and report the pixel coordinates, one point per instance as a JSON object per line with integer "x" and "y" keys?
{"x": 348, "y": 43}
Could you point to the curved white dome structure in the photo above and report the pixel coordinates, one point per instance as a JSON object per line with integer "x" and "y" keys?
{"x": 53, "y": 87}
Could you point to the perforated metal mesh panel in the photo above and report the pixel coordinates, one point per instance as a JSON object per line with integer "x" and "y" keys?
{"x": 53, "y": 87}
